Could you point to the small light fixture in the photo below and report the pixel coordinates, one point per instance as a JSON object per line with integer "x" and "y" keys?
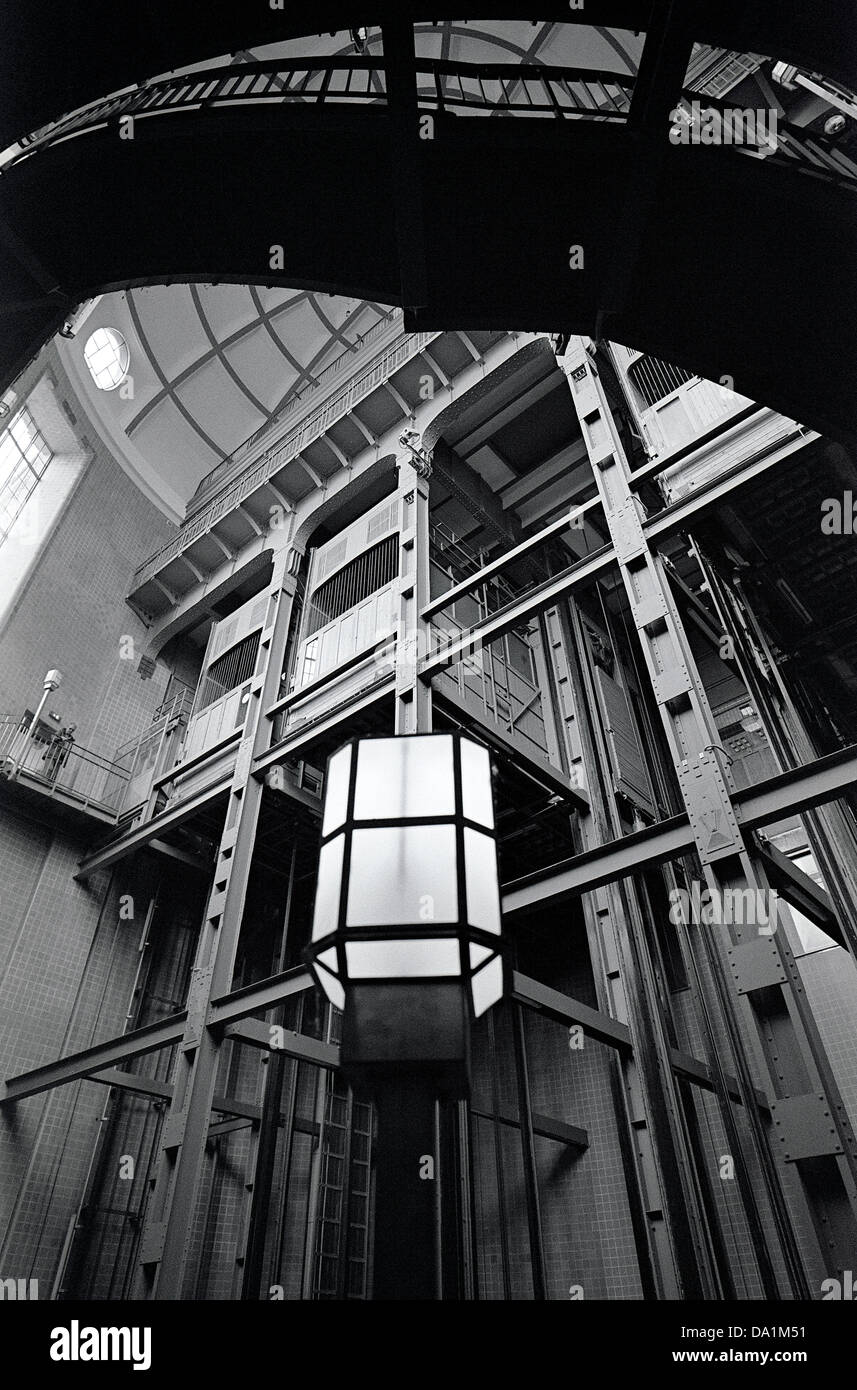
{"x": 834, "y": 125}
{"x": 406, "y": 930}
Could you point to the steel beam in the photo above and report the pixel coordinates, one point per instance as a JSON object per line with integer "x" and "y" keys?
{"x": 130, "y": 1081}
{"x": 168, "y": 1223}
{"x": 543, "y": 1125}
{"x": 787, "y": 793}
{"x": 502, "y": 562}
{"x": 315, "y": 729}
{"x": 92, "y": 1059}
{"x": 666, "y": 522}
{"x": 305, "y": 1049}
{"x": 541, "y": 596}
{"x": 800, "y": 890}
{"x": 150, "y": 830}
{"x": 765, "y": 1011}
{"x": 258, "y": 998}
{"x": 563, "y": 1009}
{"x": 685, "y": 509}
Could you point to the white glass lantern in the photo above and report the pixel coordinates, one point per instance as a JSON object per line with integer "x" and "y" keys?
{"x": 406, "y": 931}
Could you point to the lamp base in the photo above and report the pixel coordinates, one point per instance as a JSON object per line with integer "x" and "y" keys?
{"x": 420, "y": 1028}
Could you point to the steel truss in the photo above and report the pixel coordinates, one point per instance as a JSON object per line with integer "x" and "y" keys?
{"x": 651, "y": 1073}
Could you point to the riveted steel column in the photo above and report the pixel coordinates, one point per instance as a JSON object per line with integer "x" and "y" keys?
{"x": 168, "y": 1228}
{"x": 764, "y": 989}
{"x": 829, "y": 833}
{"x": 666, "y": 1213}
{"x": 413, "y": 695}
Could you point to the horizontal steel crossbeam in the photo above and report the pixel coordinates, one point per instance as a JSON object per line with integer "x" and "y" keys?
{"x": 788, "y": 793}
{"x": 94, "y": 1059}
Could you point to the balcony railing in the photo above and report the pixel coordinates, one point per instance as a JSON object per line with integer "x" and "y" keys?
{"x": 81, "y": 775}
{"x": 475, "y": 88}
{"x": 272, "y": 431}
{"x": 472, "y": 89}
{"x": 276, "y": 458}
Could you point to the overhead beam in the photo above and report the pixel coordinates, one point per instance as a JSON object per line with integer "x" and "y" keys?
{"x": 149, "y": 830}
{"x": 231, "y": 1015}
{"x": 800, "y": 890}
{"x": 313, "y": 730}
{"x": 496, "y": 566}
{"x": 468, "y": 488}
{"x": 788, "y": 793}
{"x": 673, "y": 518}
{"x": 257, "y": 998}
{"x": 255, "y": 1033}
{"x": 538, "y": 598}
{"x": 543, "y": 1125}
{"x": 563, "y": 1009}
{"x": 95, "y": 1059}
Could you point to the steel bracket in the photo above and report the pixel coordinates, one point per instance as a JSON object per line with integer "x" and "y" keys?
{"x": 756, "y": 965}
{"x": 152, "y": 1245}
{"x": 709, "y": 809}
{"x": 805, "y": 1127}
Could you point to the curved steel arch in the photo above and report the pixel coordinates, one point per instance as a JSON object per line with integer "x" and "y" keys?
{"x": 735, "y": 266}
{"x": 59, "y": 55}
{"x": 724, "y": 269}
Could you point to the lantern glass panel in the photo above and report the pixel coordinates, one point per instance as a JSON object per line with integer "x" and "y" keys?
{"x": 483, "y": 898}
{"x": 328, "y": 960}
{"x": 487, "y": 986}
{"x": 413, "y": 956}
{"x": 336, "y": 790}
{"x": 326, "y": 917}
{"x": 332, "y": 988}
{"x": 478, "y": 955}
{"x": 402, "y": 875}
{"x": 476, "y": 783}
{"x": 405, "y": 777}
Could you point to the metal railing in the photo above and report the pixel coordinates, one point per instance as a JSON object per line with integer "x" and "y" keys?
{"x": 299, "y": 402}
{"x": 276, "y": 458}
{"x": 475, "y": 88}
{"x": 81, "y": 775}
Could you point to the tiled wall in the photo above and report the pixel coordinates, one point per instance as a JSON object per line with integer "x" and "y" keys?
{"x": 72, "y": 613}
{"x": 68, "y": 963}
{"x": 67, "y": 960}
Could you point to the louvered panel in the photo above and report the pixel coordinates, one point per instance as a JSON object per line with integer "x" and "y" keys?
{"x": 626, "y": 755}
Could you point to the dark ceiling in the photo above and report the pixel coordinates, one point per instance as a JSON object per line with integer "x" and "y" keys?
{"x": 720, "y": 263}
{"x": 57, "y": 55}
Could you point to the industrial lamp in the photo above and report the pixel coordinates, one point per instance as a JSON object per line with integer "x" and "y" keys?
{"x": 406, "y": 930}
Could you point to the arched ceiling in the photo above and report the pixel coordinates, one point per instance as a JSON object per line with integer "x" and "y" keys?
{"x": 210, "y": 365}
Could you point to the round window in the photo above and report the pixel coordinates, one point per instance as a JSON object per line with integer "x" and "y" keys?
{"x": 107, "y": 357}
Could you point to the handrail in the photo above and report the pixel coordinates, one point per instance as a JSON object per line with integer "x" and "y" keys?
{"x": 80, "y": 773}
{"x": 564, "y": 92}
{"x": 293, "y": 405}
{"x": 529, "y": 89}
{"x": 234, "y": 492}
